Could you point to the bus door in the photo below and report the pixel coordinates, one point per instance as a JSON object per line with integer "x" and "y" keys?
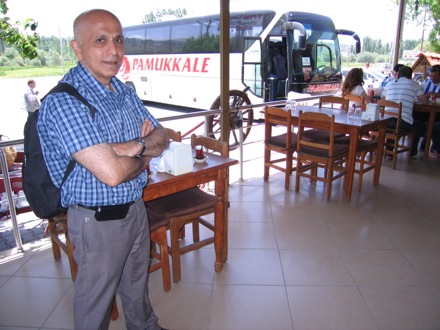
{"x": 252, "y": 71}
{"x": 296, "y": 61}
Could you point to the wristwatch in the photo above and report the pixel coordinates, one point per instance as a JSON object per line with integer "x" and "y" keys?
{"x": 141, "y": 142}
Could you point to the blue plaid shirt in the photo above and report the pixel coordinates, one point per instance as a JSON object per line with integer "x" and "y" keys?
{"x": 65, "y": 126}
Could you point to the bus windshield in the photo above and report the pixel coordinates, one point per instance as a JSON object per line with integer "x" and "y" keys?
{"x": 315, "y": 69}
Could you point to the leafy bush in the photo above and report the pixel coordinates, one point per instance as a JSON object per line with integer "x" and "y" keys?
{"x": 4, "y": 61}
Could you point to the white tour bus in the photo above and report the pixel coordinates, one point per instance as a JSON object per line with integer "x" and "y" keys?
{"x": 271, "y": 53}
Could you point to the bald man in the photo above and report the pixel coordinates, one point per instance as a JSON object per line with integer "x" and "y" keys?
{"x": 107, "y": 219}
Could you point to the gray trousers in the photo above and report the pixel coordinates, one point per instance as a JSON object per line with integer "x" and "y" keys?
{"x": 113, "y": 257}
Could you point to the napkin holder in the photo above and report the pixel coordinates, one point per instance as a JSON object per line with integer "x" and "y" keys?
{"x": 372, "y": 112}
{"x": 178, "y": 158}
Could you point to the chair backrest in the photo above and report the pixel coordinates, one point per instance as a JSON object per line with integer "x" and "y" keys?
{"x": 357, "y": 100}
{"x": 210, "y": 144}
{"x": 330, "y": 101}
{"x": 315, "y": 120}
{"x": 174, "y": 135}
{"x": 391, "y": 108}
{"x": 277, "y": 117}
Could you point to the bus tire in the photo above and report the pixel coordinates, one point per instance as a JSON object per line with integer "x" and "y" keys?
{"x": 236, "y": 99}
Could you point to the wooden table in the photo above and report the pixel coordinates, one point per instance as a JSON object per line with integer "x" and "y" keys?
{"x": 214, "y": 169}
{"x": 354, "y": 128}
{"x": 432, "y": 110}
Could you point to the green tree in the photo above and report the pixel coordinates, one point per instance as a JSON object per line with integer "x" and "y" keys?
{"x": 160, "y": 13}
{"x": 424, "y": 13}
{"x": 10, "y": 33}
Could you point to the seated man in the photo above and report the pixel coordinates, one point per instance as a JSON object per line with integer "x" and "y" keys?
{"x": 405, "y": 90}
{"x": 431, "y": 87}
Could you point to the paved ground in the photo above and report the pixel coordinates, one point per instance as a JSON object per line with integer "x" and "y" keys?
{"x": 31, "y": 229}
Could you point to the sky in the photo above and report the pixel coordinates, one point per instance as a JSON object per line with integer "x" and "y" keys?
{"x": 374, "y": 18}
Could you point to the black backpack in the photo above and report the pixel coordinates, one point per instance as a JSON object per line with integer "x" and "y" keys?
{"x": 43, "y": 196}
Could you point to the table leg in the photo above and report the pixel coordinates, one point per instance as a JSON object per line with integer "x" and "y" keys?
{"x": 351, "y": 163}
{"x": 379, "y": 155}
{"x": 220, "y": 219}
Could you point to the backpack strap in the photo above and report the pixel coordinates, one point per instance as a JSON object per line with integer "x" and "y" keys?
{"x": 62, "y": 87}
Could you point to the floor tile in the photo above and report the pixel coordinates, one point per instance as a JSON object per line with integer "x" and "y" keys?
{"x": 251, "y": 267}
{"x": 249, "y": 307}
{"x": 402, "y": 308}
{"x": 329, "y": 308}
{"x": 315, "y": 267}
{"x": 380, "y": 267}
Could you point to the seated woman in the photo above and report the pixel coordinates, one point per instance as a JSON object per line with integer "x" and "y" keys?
{"x": 353, "y": 84}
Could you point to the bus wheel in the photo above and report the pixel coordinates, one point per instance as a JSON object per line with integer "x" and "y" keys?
{"x": 236, "y": 99}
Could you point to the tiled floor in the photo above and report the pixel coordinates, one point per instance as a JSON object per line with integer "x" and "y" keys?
{"x": 295, "y": 261}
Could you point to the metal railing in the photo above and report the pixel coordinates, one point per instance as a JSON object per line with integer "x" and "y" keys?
{"x": 203, "y": 113}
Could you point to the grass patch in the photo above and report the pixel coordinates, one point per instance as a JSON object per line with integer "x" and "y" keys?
{"x": 7, "y": 73}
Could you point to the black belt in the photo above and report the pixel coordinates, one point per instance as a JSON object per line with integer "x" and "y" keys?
{"x": 106, "y": 207}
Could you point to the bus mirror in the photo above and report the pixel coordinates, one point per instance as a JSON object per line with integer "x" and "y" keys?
{"x": 302, "y": 33}
{"x": 353, "y": 35}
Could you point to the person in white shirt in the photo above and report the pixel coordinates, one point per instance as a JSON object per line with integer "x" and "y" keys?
{"x": 353, "y": 84}
{"x": 31, "y": 100}
{"x": 393, "y": 76}
{"x": 406, "y": 90}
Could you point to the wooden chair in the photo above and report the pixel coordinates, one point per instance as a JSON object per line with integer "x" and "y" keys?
{"x": 367, "y": 147}
{"x": 158, "y": 234}
{"x": 395, "y": 137}
{"x": 315, "y": 154}
{"x": 327, "y": 101}
{"x": 284, "y": 143}
{"x": 174, "y": 135}
{"x": 356, "y": 100}
{"x": 188, "y": 207}
{"x": 334, "y": 102}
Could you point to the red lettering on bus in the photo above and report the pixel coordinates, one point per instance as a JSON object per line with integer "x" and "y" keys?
{"x": 149, "y": 64}
{"x": 167, "y": 66}
{"x": 159, "y": 65}
{"x": 187, "y": 65}
{"x": 135, "y": 63}
{"x": 194, "y": 69}
{"x": 322, "y": 88}
{"x": 205, "y": 64}
{"x": 176, "y": 64}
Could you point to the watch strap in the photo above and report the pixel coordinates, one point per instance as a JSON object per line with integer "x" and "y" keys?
{"x": 141, "y": 142}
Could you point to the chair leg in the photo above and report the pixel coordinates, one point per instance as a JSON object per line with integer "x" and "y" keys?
{"x": 361, "y": 170}
{"x": 329, "y": 181}
{"x": 175, "y": 251}
{"x": 53, "y": 232}
{"x": 297, "y": 176}
{"x": 266, "y": 160}
{"x": 288, "y": 173}
{"x": 395, "y": 149}
{"x": 196, "y": 231}
{"x": 159, "y": 237}
{"x": 115, "y": 314}
{"x": 72, "y": 262}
